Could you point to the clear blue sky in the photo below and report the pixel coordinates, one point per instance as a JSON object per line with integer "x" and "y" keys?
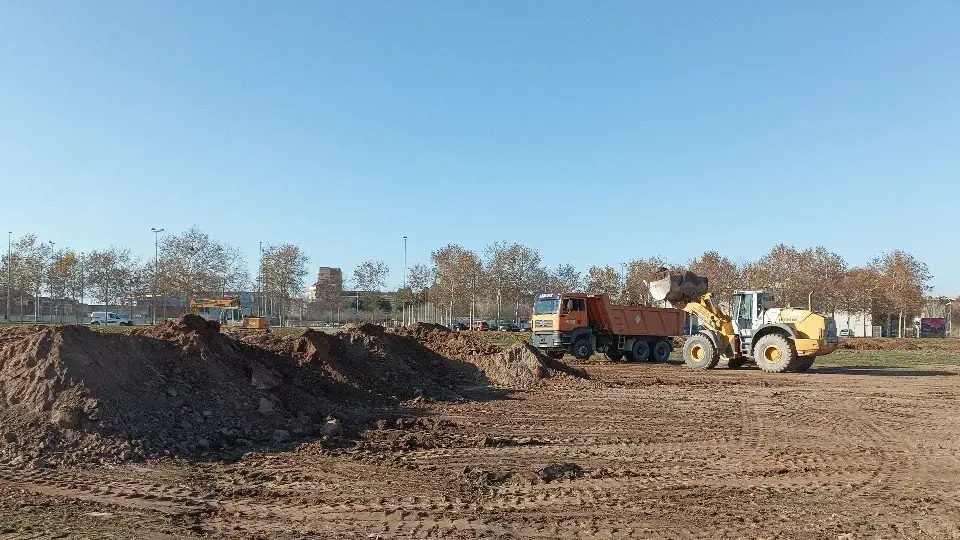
{"x": 594, "y": 131}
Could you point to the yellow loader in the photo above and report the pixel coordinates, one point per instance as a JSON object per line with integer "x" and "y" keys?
{"x": 777, "y": 339}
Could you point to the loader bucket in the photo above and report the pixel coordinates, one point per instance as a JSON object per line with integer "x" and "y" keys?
{"x": 686, "y": 287}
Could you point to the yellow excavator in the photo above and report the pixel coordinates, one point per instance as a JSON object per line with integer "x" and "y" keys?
{"x": 227, "y": 312}
{"x": 777, "y": 339}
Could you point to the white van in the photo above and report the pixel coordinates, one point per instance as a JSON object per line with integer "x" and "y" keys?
{"x": 109, "y": 317}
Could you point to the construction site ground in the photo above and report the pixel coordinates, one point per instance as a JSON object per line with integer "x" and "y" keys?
{"x": 866, "y": 445}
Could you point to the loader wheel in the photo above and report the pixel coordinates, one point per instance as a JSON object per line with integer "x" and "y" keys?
{"x": 660, "y": 352}
{"x": 582, "y": 349}
{"x": 699, "y": 353}
{"x": 804, "y": 363}
{"x": 614, "y": 355}
{"x": 640, "y": 350}
{"x": 775, "y": 354}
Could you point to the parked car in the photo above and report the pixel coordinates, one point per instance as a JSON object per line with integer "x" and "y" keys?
{"x": 846, "y": 332}
{"x": 509, "y": 327}
{"x": 481, "y": 326}
{"x": 109, "y": 318}
{"x": 458, "y": 326}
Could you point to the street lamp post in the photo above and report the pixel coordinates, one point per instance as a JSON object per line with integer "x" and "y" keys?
{"x": 156, "y": 268}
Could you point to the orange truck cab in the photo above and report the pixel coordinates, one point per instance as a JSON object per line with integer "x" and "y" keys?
{"x": 583, "y": 324}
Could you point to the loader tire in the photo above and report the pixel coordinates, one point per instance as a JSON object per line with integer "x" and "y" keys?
{"x": 775, "y": 354}
{"x": 699, "y": 353}
{"x": 660, "y": 352}
{"x": 640, "y": 350}
{"x": 582, "y": 349}
{"x": 804, "y": 363}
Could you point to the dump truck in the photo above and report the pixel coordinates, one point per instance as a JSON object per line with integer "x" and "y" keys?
{"x": 777, "y": 339}
{"x": 582, "y": 324}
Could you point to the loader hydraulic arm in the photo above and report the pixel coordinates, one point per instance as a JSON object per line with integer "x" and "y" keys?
{"x": 709, "y": 315}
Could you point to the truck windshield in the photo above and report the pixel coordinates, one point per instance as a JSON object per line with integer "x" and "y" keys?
{"x": 545, "y": 306}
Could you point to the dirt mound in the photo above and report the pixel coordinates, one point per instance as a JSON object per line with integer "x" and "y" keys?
{"x": 900, "y": 344}
{"x": 70, "y": 394}
{"x": 518, "y": 365}
{"x": 75, "y": 395}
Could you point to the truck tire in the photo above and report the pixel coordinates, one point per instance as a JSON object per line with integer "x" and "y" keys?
{"x": 640, "y": 350}
{"x": 582, "y": 349}
{"x": 804, "y": 363}
{"x": 699, "y": 353}
{"x": 660, "y": 352}
{"x": 614, "y": 355}
{"x": 775, "y": 354}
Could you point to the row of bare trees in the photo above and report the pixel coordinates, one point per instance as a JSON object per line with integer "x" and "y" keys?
{"x": 500, "y": 282}
{"x": 185, "y": 265}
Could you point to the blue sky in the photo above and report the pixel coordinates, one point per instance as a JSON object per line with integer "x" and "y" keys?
{"x": 596, "y": 132}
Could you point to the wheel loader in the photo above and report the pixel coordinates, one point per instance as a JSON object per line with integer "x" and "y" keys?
{"x": 777, "y": 339}
{"x": 227, "y": 312}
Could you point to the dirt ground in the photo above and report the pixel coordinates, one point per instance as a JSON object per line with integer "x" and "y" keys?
{"x": 845, "y": 451}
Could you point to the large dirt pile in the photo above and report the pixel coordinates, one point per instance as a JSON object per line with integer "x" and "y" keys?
{"x": 900, "y": 344}
{"x": 517, "y": 365}
{"x": 71, "y": 394}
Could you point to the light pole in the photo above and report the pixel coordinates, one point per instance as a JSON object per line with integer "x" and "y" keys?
{"x": 156, "y": 268}
{"x": 404, "y": 262}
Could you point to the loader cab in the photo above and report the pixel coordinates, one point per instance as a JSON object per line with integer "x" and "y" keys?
{"x": 747, "y": 308}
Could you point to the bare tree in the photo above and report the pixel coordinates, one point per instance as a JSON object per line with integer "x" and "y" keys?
{"x": 639, "y": 274}
{"x": 107, "y": 275}
{"x": 903, "y": 280}
{"x": 193, "y": 264}
{"x": 455, "y": 270}
{"x": 564, "y": 278}
{"x": 723, "y": 274}
{"x": 604, "y": 280}
{"x": 283, "y": 270}
{"x": 777, "y": 271}
{"x": 514, "y": 273}
{"x": 371, "y": 278}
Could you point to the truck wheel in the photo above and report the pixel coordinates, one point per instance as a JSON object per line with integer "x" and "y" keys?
{"x": 614, "y": 355}
{"x": 582, "y": 349}
{"x": 660, "y": 351}
{"x": 775, "y": 354}
{"x": 804, "y": 363}
{"x": 700, "y": 354}
{"x": 641, "y": 350}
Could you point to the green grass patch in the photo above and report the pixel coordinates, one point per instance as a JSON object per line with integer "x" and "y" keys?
{"x": 891, "y": 359}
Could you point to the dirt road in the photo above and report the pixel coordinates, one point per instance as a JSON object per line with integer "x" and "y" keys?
{"x": 641, "y": 451}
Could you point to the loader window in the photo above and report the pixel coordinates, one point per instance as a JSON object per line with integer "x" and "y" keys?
{"x": 745, "y": 313}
